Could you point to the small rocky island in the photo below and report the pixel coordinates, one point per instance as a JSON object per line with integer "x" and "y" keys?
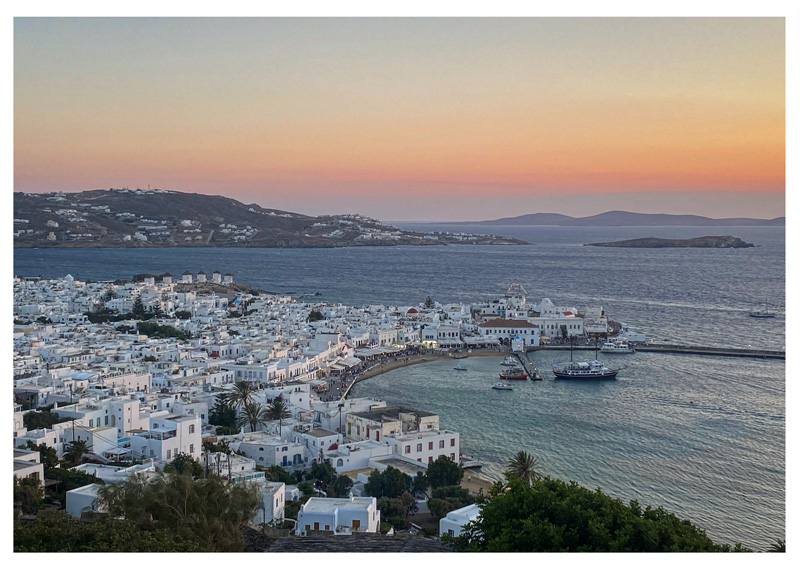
{"x": 702, "y": 242}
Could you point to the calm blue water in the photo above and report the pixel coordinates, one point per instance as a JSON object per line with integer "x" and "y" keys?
{"x": 693, "y": 296}
{"x": 705, "y": 437}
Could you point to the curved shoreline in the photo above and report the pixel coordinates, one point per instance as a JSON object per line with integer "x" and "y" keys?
{"x": 390, "y": 365}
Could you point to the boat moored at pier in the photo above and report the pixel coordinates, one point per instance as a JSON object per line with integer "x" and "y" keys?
{"x": 617, "y": 347}
{"x": 584, "y": 370}
{"x": 513, "y": 373}
{"x": 509, "y": 361}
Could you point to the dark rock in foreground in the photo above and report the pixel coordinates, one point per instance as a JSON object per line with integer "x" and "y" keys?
{"x": 702, "y": 242}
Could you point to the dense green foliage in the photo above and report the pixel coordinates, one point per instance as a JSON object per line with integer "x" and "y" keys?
{"x": 108, "y": 315}
{"x": 155, "y": 330}
{"x": 253, "y": 414}
{"x": 185, "y": 464}
{"x": 47, "y": 455}
{"x": 55, "y": 531}
{"x": 444, "y": 471}
{"x": 67, "y": 480}
{"x": 323, "y": 472}
{"x": 277, "y": 411}
{"x": 74, "y": 451}
{"x": 42, "y": 418}
{"x": 314, "y": 316}
{"x": 222, "y": 414}
{"x": 183, "y": 315}
{"x": 457, "y": 496}
{"x": 420, "y": 483}
{"x": 341, "y": 486}
{"x": 28, "y": 494}
{"x": 393, "y": 511}
{"x": 212, "y": 512}
{"x": 439, "y": 507}
{"x": 525, "y": 466}
{"x": 242, "y": 393}
{"x": 389, "y": 483}
{"x": 551, "y": 515}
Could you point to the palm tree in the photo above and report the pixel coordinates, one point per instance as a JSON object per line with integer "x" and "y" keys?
{"x": 778, "y": 546}
{"x": 75, "y": 450}
{"x": 242, "y": 394}
{"x": 277, "y": 411}
{"x": 253, "y": 414}
{"x": 524, "y": 465}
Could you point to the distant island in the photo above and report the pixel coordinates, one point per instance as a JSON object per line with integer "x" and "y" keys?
{"x": 702, "y": 242}
{"x": 621, "y": 218}
{"x": 157, "y": 218}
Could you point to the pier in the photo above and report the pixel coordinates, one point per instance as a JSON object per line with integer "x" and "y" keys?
{"x": 696, "y": 350}
{"x": 530, "y": 369}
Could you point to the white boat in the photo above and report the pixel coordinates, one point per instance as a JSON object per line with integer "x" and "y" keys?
{"x": 502, "y": 386}
{"x": 509, "y": 361}
{"x": 459, "y": 367}
{"x": 617, "y": 347}
{"x": 762, "y": 314}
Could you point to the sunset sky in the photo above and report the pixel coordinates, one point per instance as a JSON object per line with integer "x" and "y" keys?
{"x": 410, "y": 119}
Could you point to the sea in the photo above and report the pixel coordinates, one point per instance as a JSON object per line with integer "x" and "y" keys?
{"x": 702, "y": 436}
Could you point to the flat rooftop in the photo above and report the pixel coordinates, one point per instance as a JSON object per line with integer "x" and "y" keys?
{"x": 320, "y": 432}
{"x": 392, "y": 413}
{"x": 329, "y": 504}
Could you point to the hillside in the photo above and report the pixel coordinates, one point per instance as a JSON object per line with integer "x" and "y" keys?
{"x": 621, "y": 218}
{"x": 159, "y": 218}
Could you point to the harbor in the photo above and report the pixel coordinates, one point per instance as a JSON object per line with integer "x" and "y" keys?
{"x": 694, "y": 350}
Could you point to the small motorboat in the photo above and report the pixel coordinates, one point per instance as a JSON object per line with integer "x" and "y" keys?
{"x": 509, "y": 361}
{"x": 459, "y": 367}
{"x": 503, "y": 386}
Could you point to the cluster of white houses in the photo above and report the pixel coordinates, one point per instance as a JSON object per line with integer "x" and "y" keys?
{"x": 142, "y": 401}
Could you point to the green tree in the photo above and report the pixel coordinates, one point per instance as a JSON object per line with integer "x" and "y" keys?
{"x": 551, "y": 515}
{"x": 277, "y": 473}
{"x": 420, "y": 483}
{"x": 155, "y": 330}
{"x": 211, "y": 512}
{"x": 341, "y": 486}
{"x": 66, "y": 480}
{"x": 314, "y": 316}
{"x": 455, "y": 495}
{"x": 429, "y": 304}
{"x": 524, "y": 466}
{"x": 389, "y": 483}
{"x": 184, "y": 464}
{"x": 47, "y": 455}
{"x": 778, "y": 546}
{"x": 74, "y": 451}
{"x": 56, "y": 531}
{"x": 183, "y": 315}
{"x": 278, "y": 411}
{"x": 138, "y": 309}
{"x": 444, "y": 471}
{"x": 243, "y": 393}
{"x": 41, "y": 418}
{"x": 323, "y": 472}
{"x": 439, "y": 507}
{"x": 28, "y": 494}
{"x": 222, "y": 413}
{"x": 393, "y": 511}
{"x": 253, "y": 414}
